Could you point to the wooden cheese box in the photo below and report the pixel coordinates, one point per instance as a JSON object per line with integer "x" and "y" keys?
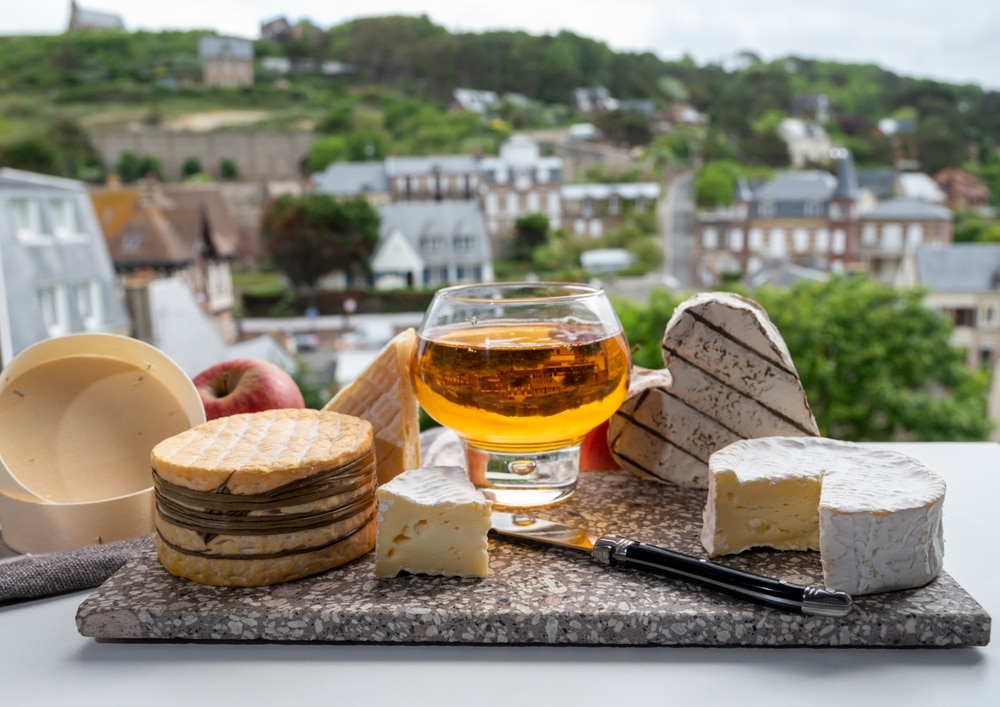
{"x": 535, "y": 595}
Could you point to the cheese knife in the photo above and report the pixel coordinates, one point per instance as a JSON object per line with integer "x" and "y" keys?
{"x": 616, "y": 551}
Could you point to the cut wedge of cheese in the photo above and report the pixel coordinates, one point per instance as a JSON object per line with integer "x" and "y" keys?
{"x": 432, "y": 521}
{"x": 383, "y": 394}
{"x": 731, "y": 378}
{"x": 874, "y": 514}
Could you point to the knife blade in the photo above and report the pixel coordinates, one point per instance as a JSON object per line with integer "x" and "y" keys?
{"x": 616, "y": 551}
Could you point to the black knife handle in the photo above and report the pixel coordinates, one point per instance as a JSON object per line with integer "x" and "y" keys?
{"x": 818, "y": 601}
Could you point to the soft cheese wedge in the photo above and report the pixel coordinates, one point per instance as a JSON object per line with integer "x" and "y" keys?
{"x": 731, "y": 377}
{"x": 383, "y": 395}
{"x": 873, "y": 514}
{"x": 432, "y": 521}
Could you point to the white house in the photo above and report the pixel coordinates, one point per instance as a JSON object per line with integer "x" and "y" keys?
{"x": 431, "y": 243}
{"x": 56, "y": 276}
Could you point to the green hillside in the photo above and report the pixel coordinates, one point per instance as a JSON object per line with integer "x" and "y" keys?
{"x": 407, "y": 67}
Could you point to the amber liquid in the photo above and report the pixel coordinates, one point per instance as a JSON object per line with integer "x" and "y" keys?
{"x": 528, "y": 387}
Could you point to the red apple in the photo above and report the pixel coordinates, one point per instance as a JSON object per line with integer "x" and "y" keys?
{"x": 595, "y": 455}
{"x": 246, "y": 385}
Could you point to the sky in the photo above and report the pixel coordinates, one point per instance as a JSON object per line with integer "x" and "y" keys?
{"x": 957, "y": 41}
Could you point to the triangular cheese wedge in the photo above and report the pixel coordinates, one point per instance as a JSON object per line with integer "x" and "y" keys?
{"x": 383, "y": 395}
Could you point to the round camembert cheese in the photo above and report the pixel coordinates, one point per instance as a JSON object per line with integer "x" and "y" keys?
{"x": 873, "y": 514}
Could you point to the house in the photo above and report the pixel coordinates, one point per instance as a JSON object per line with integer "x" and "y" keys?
{"x": 56, "y": 275}
{"x": 278, "y": 29}
{"x": 226, "y": 61}
{"x": 819, "y": 220}
{"x": 920, "y": 186}
{"x": 434, "y": 178}
{"x": 963, "y": 190}
{"x": 474, "y": 101}
{"x": 81, "y": 18}
{"x": 591, "y": 209}
{"x": 518, "y": 182}
{"x": 187, "y": 232}
{"x": 807, "y": 142}
{"x": 430, "y": 244}
{"x": 357, "y": 179}
{"x": 963, "y": 281}
{"x": 594, "y": 99}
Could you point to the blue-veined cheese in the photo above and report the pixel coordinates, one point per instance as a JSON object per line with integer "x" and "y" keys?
{"x": 874, "y": 515}
{"x": 432, "y": 520}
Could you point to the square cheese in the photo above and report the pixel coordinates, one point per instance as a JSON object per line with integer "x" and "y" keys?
{"x": 433, "y": 521}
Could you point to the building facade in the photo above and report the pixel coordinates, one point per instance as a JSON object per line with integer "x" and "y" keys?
{"x": 56, "y": 275}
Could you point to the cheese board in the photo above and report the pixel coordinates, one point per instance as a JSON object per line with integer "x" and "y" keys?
{"x": 536, "y": 596}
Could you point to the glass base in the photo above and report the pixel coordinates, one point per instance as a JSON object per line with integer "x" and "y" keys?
{"x": 524, "y": 480}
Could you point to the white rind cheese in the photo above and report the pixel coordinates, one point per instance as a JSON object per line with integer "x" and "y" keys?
{"x": 432, "y": 521}
{"x": 874, "y": 515}
{"x": 731, "y": 377}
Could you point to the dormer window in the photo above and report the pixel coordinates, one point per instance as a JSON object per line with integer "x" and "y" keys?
{"x": 766, "y": 208}
{"x": 27, "y": 219}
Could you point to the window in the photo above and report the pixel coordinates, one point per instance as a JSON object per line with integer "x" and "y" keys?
{"x": 463, "y": 244}
{"x": 756, "y": 240}
{"x": 588, "y": 207}
{"x": 87, "y": 296}
{"x": 839, "y": 241}
{"x": 778, "y": 246}
{"x": 800, "y": 240}
{"x": 512, "y": 204}
{"x": 836, "y": 212}
{"x": 55, "y": 315}
{"x": 27, "y": 219}
{"x": 534, "y": 202}
{"x": 766, "y": 208}
{"x": 64, "y": 220}
{"x": 813, "y": 208}
{"x": 822, "y": 237}
{"x": 554, "y": 206}
{"x": 892, "y": 237}
{"x": 735, "y": 240}
{"x": 614, "y": 205}
{"x": 709, "y": 239}
{"x": 491, "y": 203}
{"x": 914, "y": 235}
{"x": 869, "y": 235}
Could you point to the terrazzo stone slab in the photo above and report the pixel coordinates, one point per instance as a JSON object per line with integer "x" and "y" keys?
{"x": 535, "y": 595}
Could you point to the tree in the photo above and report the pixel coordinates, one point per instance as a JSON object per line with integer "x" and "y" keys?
{"x": 228, "y": 171}
{"x": 530, "y": 231}
{"x": 191, "y": 167}
{"x": 32, "y": 154}
{"x": 875, "y": 362}
{"x": 310, "y": 236}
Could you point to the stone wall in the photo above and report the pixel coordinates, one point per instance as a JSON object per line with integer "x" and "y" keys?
{"x": 264, "y": 156}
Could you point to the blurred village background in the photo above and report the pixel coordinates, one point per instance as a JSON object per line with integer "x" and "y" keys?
{"x": 300, "y": 195}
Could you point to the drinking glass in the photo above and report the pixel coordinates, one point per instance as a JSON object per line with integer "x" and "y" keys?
{"x": 521, "y": 371}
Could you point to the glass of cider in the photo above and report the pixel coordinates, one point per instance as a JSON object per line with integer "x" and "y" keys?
{"x": 521, "y": 371}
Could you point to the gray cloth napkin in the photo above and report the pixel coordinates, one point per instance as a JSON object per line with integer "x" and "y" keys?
{"x": 35, "y": 576}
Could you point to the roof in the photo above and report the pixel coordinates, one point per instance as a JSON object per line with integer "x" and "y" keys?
{"x": 847, "y": 177}
{"x": 444, "y": 219}
{"x": 96, "y": 19}
{"x": 907, "y": 209}
{"x": 446, "y": 164}
{"x": 167, "y": 226}
{"x": 224, "y": 233}
{"x": 881, "y": 182}
{"x": 475, "y": 101}
{"x": 959, "y": 267}
{"x": 352, "y": 178}
{"x": 212, "y": 47}
{"x": 920, "y": 186}
{"x": 808, "y": 185}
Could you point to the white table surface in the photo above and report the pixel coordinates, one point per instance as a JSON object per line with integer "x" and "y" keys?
{"x": 44, "y": 661}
